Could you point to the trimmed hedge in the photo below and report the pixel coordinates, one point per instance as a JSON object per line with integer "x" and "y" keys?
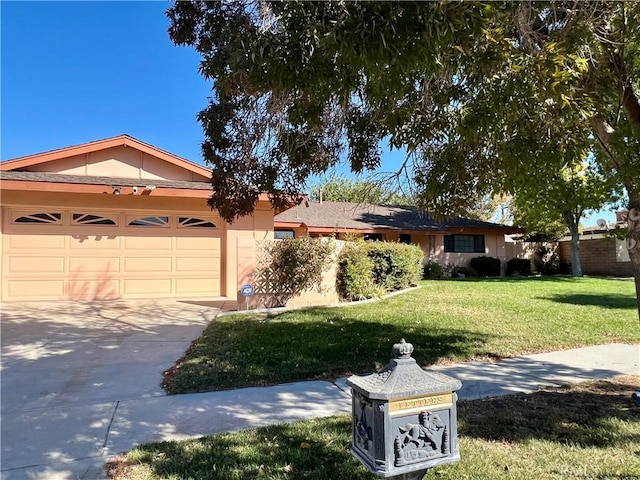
{"x": 518, "y": 266}
{"x": 432, "y": 270}
{"x": 368, "y": 269}
{"x": 395, "y": 265}
{"x": 486, "y": 266}
{"x": 354, "y": 279}
{"x": 463, "y": 272}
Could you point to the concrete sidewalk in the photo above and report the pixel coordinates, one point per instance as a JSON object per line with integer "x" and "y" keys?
{"x": 74, "y": 441}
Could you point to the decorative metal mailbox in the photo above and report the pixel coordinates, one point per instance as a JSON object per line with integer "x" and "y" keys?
{"x": 404, "y": 418}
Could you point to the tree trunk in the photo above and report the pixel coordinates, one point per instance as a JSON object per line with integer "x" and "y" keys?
{"x": 573, "y": 222}
{"x": 633, "y": 242}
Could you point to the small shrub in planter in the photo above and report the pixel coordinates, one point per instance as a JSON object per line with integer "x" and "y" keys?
{"x": 432, "y": 270}
{"x": 519, "y": 266}
{"x": 463, "y": 272}
{"x": 486, "y": 266}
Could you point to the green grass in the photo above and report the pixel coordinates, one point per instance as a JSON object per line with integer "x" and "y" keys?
{"x": 587, "y": 431}
{"x": 447, "y": 321}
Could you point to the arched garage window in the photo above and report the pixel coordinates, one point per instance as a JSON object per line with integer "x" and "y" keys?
{"x": 91, "y": 219}
{"x": 150, "y": 221}
{"x": 193, "y": 222}
{"x": 44, "y": 217}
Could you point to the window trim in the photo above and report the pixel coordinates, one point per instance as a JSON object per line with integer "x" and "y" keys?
{"x": 195, "y": 222}
{"x": 146, "y": 221}
{"x": 276, "y": 232}
{"x": 113, "y": 218}
{"x": 450, "y": 244}
{"x": 36, "y": 218}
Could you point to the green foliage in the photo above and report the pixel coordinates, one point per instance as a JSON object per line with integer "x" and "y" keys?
{"x": 355, "y": 279}
{"x": 518, "y": 266}
{"x": 548, "y": 262}
{"x": 395, "y": 265}
{"x": 297, "y": 265}
{"x": 344, "y": 189}
{"x": 507, "y": 93}
{"x": 486, "y": 266}
{"x": 368, "y": 269}
{"x": 432, "y": 270}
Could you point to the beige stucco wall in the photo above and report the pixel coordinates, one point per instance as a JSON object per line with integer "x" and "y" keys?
{"x": 123, "y": 162}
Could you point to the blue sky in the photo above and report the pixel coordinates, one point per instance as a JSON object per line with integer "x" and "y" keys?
{"x": 73, "y": 72}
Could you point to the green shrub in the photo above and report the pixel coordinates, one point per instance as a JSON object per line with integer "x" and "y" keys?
{"x": 395, "y": 265}
{"x": 519, "y": 266}
{"x": 463, "y": 272}
{"x": 432, "y": 270}
{"x": 355, "y": 273}
{"x": 486, "y": 266}
{"x": 297, "y": 265}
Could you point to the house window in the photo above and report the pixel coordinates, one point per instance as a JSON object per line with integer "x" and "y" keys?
{"x": 280, "y": 234}
{"x": 151, "y": 221}
{"x": 91, "y": 219}
{"x": 373, "y": 237}
{"x": 405, "y": 238}
{"x": 464, "y": 243}
{"x": 44, "y": 217}
{"x": 193, "y": 222}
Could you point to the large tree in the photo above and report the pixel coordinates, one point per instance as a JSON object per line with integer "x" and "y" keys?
{"x": 480, "y": 94}
{"x": 563, "y": 199}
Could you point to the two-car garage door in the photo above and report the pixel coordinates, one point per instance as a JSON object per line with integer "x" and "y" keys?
{"x": 62, "y": 253}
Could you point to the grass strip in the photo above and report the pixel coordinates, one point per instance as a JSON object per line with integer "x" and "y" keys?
{"x": 447, "y": 321}
{"x": 586, "y": 431}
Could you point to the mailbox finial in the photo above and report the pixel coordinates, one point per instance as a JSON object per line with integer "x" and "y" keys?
{"x": 402, "y": 349}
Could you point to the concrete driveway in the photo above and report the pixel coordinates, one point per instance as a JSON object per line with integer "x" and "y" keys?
{"x": 66, "y": 360}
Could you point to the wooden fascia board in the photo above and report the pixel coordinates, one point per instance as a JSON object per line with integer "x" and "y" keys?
{"x": 288, "y": 224}
{"x": 119, "y": 141}
{"x": 30, "y": 186}
{"x": 478, "y": 230}
{"x": 22, "y": 185}
{"x": 373, "y": 230}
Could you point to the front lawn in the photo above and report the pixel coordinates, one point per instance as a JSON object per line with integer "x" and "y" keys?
{"x": 587, "y": 431}
{"x": 447, "y": 321}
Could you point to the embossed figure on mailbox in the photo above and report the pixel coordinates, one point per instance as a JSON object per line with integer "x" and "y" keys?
{"x": 404, "y": 418}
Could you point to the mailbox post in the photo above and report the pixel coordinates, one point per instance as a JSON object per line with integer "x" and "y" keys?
{"x": 404, "y": 418}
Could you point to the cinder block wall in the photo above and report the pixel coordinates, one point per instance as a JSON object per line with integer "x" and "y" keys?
{"x": 598, "y": 257}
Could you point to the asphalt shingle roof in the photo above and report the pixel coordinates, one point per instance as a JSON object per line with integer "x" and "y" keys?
{"x": 98, "y": 180}
{"x": 345, "y": 215}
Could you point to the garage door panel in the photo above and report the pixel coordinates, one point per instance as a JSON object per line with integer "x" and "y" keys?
{"x": 198, "y": 264}
{"x": 197, "y": 244}
{"x": 30, "y": 264}
{"x": 85, "y": 261}
{"x": 148, "y": 243}
{"x": 147, "y": 264}
{"x": 93, "y": 289}
{"x": 94, "y": 242}
{"x": 147, "y": 286}
{"x": 92, "y": 265}
{"x": 35, "y": 242}
{"x": 191, "y": 286}
{"x": 25, "y": 289}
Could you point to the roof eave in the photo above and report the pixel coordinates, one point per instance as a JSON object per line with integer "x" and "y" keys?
{"x": 90, "y": 147}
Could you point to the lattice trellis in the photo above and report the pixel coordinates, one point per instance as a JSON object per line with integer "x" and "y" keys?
{"x": 264, "y": 279}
